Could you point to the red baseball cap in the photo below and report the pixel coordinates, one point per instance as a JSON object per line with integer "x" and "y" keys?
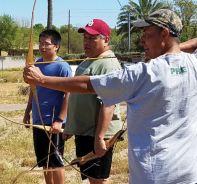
{"x": 96, "y": 26}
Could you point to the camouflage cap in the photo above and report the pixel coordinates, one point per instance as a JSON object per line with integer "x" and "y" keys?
{"x": 162, "y": 18}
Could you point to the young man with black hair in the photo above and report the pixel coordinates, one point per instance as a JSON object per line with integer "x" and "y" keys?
{"x": 49, "y": 44}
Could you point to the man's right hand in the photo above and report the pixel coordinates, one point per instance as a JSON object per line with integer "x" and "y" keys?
{"x": 66, "y": 136}
{"x": 26, "y": 120}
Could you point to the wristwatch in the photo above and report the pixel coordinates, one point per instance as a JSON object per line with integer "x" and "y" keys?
{"x": 60, "y": 120}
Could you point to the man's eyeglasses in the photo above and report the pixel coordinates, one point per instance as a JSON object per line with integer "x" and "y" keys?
{"x": 45, "y": 45}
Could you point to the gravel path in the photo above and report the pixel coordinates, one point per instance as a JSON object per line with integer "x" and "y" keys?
{"x": 12, "y": 107}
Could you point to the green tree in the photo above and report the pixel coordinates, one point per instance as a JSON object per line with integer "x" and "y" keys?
{"x": 122, "y": 23}
{"x": 8, "y": 31}
{"x": 141, "y": 11}
{"x": 114, "y": 38}
{"x": 76, "y": 40}
{"x": 63, "y": 29}
{"x": 146, "y": 7}
{"x": 22, "y": 38}
{"x": 39, "y": 27}
{"x": 55, "y": 28}
{"x": 186, "y": 9}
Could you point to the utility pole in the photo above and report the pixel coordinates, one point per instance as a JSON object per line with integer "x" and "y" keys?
{"x": 50, "y": 14}
{"x": 68, "y": 31}
{"x": 129, "y": 30}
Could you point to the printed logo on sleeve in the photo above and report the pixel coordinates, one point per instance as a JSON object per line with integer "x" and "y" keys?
{"x": 178, "y": 71}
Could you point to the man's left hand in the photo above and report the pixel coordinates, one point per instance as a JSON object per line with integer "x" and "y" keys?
{"x": 100, "y": 147}
{"x": 32, "y": 74}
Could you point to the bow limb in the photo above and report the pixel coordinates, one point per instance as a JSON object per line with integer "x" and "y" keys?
{"x": 25, "y": 172}
{"x": 30, "y": 60}
{"x": 109, "y": 143}
{"x": 49, "y": 152}
{"x": 50, "y": 139}
{"x": 30, "y": 125}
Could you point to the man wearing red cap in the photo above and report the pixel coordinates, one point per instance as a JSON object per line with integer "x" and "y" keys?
{"x": 88, "y": 119}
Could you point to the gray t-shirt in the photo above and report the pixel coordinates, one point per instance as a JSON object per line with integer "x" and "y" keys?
{"x": 83, "y": 109}
{"x": 161, "y": 98}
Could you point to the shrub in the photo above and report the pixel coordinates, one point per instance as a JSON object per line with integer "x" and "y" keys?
{"x": 23, "y": 90}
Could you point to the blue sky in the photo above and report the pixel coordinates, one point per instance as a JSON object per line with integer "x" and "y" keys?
{"x": 82, "y": 11}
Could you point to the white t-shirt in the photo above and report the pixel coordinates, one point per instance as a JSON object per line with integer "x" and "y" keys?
{"x": 161, "y": 98}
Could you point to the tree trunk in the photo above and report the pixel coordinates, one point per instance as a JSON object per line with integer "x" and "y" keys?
{"x": 50, "y": 15}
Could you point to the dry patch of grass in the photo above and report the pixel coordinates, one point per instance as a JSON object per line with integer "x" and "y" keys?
{"x": 16, "y": 147}
{"x": 14, "y": 75}
{"x": 17, "y": 154}
{"x": 10, "y": 93}
{"x": 13, "y": 113}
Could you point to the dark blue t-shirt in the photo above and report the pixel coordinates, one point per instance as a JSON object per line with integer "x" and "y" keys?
{"x": 48, "y": 98}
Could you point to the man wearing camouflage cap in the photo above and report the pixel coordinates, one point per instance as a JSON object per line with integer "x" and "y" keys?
{"x": 161, "y": 98}
{"x": 159, "y": 20}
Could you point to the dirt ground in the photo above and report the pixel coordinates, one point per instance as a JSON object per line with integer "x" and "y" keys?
{"x": 12, "y": 107}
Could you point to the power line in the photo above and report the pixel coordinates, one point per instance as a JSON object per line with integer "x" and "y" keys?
{"x": 82, "y": 13}
{"x": 128, "y": 25}
{"x": 54, "y": 15}
{"x": 87, "y": 11}
{"x": 119, "y": 3}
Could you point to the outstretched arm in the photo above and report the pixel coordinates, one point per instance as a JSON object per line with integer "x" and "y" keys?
{"x": 79, "y": 84}
{"x": 189, "y": 46}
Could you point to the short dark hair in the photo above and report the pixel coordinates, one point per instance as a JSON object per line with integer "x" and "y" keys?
{"x": 53, "y": 34}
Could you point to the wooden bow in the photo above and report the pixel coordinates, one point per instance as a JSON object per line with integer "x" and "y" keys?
{"x": 119, "y": 136}
{"x": 50, "y": 139}
{"x": 30, "y": 59}
{"x": 30, "y": 125}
